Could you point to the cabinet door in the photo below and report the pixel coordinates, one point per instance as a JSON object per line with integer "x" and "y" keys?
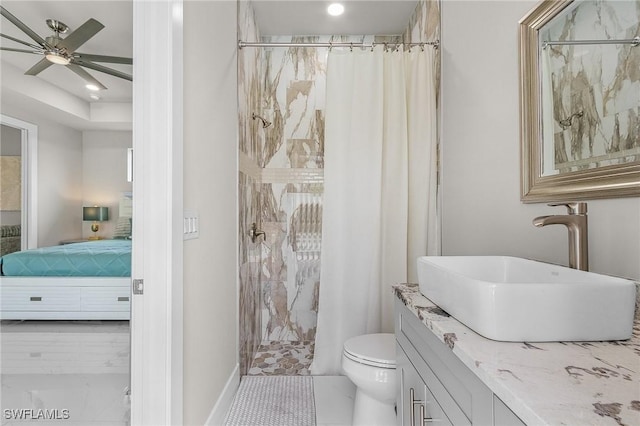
{"x": 416, "y": 405}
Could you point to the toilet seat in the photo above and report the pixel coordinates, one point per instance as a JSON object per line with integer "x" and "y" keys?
{"x": 376, "y": 350}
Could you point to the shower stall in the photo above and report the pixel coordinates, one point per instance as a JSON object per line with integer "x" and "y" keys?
{"x": 281, "y": 114}
{"x": 280, "y": 185}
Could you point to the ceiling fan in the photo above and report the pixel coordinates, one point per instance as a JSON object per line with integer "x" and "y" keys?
{"x": 62, "y": 51}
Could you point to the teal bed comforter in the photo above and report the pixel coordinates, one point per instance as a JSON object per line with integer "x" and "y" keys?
{"x": 101, "y": 258}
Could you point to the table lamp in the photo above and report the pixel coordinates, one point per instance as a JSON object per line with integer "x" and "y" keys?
{"x": 95, "y": 214}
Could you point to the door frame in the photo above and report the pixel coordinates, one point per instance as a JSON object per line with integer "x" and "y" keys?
{"x": 29, "y": 180}
{"x": 157, "y": 315}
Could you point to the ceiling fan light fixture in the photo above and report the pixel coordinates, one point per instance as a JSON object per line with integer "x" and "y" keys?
{"x": 57, "y": 58}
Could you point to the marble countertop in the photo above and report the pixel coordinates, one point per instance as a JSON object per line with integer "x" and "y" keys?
{"x": 563, "y": 383}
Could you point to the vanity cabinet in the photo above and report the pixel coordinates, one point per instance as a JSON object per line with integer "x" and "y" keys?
{"x": 434, "y": 386}
{"x": 416, "y": 399}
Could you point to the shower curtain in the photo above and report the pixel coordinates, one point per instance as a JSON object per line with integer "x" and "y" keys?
{"x": 380, "y": 190}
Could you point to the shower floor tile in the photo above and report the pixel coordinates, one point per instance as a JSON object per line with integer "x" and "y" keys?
{"x": 290, "y": 358}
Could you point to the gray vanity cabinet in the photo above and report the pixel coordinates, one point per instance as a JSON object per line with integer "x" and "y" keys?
{"x": 433, "y": 381}
{"x": 416, "y": 399}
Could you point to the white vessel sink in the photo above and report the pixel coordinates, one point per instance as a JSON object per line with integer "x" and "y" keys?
{"x": 518, "y": 300}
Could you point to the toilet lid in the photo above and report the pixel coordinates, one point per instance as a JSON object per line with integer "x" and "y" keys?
{"x": 378, "y": 350}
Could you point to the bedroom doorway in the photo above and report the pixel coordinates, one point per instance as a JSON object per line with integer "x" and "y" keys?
{"x": 18, "y": 157}
{"x": 156, "y": 317}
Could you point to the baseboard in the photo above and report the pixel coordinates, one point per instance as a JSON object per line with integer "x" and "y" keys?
{"x": 216, "y": 418}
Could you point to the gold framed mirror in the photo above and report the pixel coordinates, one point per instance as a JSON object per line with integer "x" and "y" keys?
{"x": 580, "y": 100}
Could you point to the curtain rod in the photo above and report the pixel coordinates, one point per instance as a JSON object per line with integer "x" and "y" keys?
{"x": 633, "y": 41}
{"x": 241, "y": 44}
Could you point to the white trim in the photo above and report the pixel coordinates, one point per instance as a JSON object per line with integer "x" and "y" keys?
{"x": 177, "y": 220}
{"x": 156, "y": 326}
{"x": 29, "y": 220}
{"x": 223, "y": 404}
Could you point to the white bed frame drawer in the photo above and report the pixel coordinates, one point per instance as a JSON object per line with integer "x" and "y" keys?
{"x": 65, "y": 298}
{"x": 41, "y": 299}
{"x": 107, "y": 299}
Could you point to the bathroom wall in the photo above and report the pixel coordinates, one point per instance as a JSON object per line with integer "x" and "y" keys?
{"x": 210, "y": 150}
{"x": 281, "y": 186}
{"x": 424, "y": 25}
{"x": 481, "y": 212}
{"x": 249, "y": 175}
{"x": 292, "y": 185}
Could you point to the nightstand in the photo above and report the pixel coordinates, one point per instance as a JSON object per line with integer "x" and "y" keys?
{"x": 74, "y": 240}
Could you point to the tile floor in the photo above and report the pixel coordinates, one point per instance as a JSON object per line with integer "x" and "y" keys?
{"x": 334, "y": 397}
{"x": 74, "y": 371}
{"x": 287, "y": 358}
{"x": 80, "y": 369}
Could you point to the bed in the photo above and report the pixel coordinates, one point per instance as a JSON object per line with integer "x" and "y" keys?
{"x": 81, "y": 281}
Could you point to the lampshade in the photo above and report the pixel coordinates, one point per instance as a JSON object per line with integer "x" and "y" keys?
{"x": 96, "y": 214}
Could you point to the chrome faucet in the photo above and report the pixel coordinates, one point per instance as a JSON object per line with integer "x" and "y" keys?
{"x": 576, "y": 223}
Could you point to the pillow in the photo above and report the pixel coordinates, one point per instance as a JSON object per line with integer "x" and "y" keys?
{"x": 123, "y": 228}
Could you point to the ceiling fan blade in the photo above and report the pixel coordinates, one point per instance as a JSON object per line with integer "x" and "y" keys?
{"x": 86, "y": 76}
{"x": 18, "y": 23}
{"x": 102, "y": 58}
{"x": 21, "y": 42}
{"x": 78, "y": 37}
{"x": 10, "y": 49}
{"x": 42, "y": 65}
{"x": 103, "y": 69}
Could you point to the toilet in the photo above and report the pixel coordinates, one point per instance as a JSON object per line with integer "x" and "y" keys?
{"x": 369, "y": 361}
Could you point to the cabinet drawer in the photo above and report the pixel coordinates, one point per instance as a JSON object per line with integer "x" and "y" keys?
{"x": 40, "y": 299}
{"x": 110, "y": 299}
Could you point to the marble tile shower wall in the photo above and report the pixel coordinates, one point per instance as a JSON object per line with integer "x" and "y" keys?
{"x": 424, "y": 25}
{"x": 599, "y": 80}
{"x": 250, "y": 142}
{"x": 281, "y": 178}
{"x": 292, "y": 187}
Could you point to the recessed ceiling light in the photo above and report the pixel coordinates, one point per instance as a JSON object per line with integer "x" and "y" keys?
{"x": 335, "y": 9}
{"x": 94, "y": 96}
{"x": 92, "y": 87}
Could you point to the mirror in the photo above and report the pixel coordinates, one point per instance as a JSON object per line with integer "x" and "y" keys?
{"x": 580, "y": 100}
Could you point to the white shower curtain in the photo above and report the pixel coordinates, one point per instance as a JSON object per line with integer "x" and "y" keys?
{"x": 380, "y": 190}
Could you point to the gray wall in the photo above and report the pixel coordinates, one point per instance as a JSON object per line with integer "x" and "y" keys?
{"x": 59, "y": 176}
{"x": 210, "y": 188}
{"x": 104, "y": 174}
{"x": 10, "y": 141}
{"x": 481, "y": 210}
{"x": 10, "y": 144}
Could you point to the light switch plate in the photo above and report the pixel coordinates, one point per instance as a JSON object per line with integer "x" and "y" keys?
{"x": 191, "y": 225}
